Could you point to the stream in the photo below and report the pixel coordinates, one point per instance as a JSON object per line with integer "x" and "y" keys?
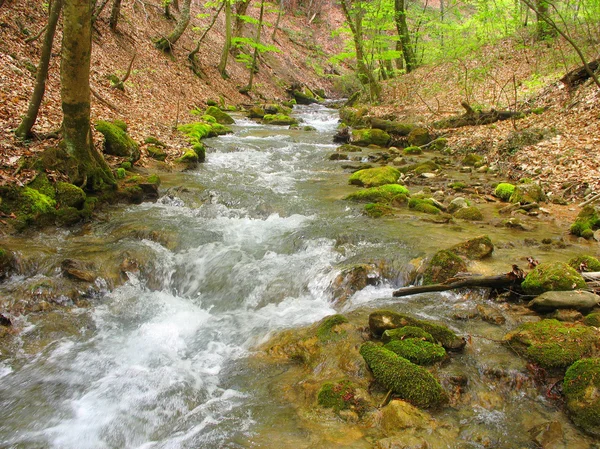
{"x": 248, "y": 245}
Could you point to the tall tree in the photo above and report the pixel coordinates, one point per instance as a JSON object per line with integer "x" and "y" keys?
{"x": 166, "y": 43}
{"x": 24, "y": 129}
{"x": 227, "y": 44}
{"x": 91, "y": 170}
{"x": 403, "y": 35}
{"x": 354, "y": 16}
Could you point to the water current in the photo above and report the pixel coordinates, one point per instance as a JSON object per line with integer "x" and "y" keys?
{"x": 160, "y": 364}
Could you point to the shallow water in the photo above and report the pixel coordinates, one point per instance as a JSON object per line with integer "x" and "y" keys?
{"x": 250, "y": 249}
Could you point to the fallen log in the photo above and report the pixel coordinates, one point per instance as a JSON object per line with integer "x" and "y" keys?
{"x": 506, "y": 280}
{"x": 580, "y": 75}
{"x": 474, "y": 118}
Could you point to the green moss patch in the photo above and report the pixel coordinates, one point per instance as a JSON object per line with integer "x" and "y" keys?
{"x": 581, "y": 387}
{"x": 411, "y": 382}
{"x": 473, "y": 160}
{"x": 338, "y": 395}
{"x": 69, "y": 195}
{"x": 388, "y": 193}
{"x": 116, "y": 140}
{"x": 469, "y": 213}
{"x": 527, "y": 193}
{"x": 556, "y": 276}
{"x": 419, "y": 137}
{"x": 443, "y": 265}
{"x": 366, "y": 137}
{"x": 156, "y": 153}
{"x": 425, "y": 205}
{"x": 374, "y": 177}
{"x": 221, "y": 117}
{"x": 586, "y": 223}
{"x": 588, "y": 263}
{"x": 35, "y": 202}
{"x": 592, "y": 319}
{"x": 412, "y": 150}
{"x": 420, "y": 168}
{"x": 328, "y": 327}
{"x": 417, "y": 351}
{"x": 504, "y": 190}
{"x": 279, "y": 119}
{"x": 402, "y": 333}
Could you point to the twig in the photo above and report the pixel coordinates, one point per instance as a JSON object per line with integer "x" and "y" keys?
{"x": 386, "y": 400}
{"x": 590, "y": 201}
{"x": 425, "y": 103}
{"x": 129, "y": 68}
{"x": 29, "y": 40}
{"x": 103, "y": 101}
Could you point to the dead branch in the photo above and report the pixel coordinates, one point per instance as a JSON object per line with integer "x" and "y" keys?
{"x": 103, "y": 101}
{"x": 129, "y": 67}
{"x": 590, "y": 201}
{"x": 474, "y": 118}
{"x": 31, "y": 39}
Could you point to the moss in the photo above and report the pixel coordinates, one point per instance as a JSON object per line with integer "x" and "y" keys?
{"x": 126, "y": 165}
{"x": 277, "y": 109}
{"x": 469, "y": 213}
{"x": 256, "y": 112}
{"x": 354, "y": 117}
{"x": 326, "y": 330}
{"x": 279, "y": 119}
{"x": 210, "y": 102}
{"x": 413, "y": 150}
{"x": 156, "y": 153}
{"x": 552, "y": 344}
{"x": 417, "y": 351}
{"x": 552, "y": 276}
{"x": 117, "y": 142}
{"x": 221, "y": 117}
{"x": 374, "y": 177}
{"x": 151, "y": 140}
{"x": 473, "y": 160}
{"x": 67, "y": 216}
{"x": 586, "y": 223}
{"x": 388, "y": 193}
{"x": 366, "y": 137}
{"x": 338, "y": 395}
{"x": 474, "y": 249}
{"x": 504, "y": 190}
{"x": 35, "y": 202}
{"x": 121, "y": 173}
{"x": 458, "y": 186}
{"x": 189, "y": 157}
{"x": 527, "y": 193}
{"x": 42, "y": 184}
{"x": 444, "y": 265}
{"x": 69, "y": 195}
{"x": 589, "y": 262}
{"x": 439, "y": 144}
{"x": 420, "y": 168}
{"x": 348, "y": 148}
{"x": 376, "y": 210}
{"x": 411, "y": 382}
{"x": 121, "y": 124}
{"x": 425, "y": 205}
{"x": 419, "y": 137}
{"x": 581, "y": 387}
{"x": 200, "y": 150}
{"x": 592, "y": 319}
{"x": 407, "y": 332}
{"x": 153, "y": 179}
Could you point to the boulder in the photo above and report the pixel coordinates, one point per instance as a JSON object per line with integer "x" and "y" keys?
{"x": 551, "y": 300}
{"x": 352, "y": 279}
{"x": 504, "y": 190}
{"x": 587, "y": 221}
{"x": 409, "y": 381}
{"x": 279, "y": 119}
{"x": 388, "y": 193}
{"x": 425, "y": 205}
{"x": 419, "y": 137}
{"x": 221, "y": 117}
{"x": 366, "y": 137}
{"x": 456, "y": 204}
{"x": 474, "y": 249}
{"x": 156, "y": 153}
{"x": 69, "y": 195}
{"x": 490, "y": 314}
{"x": 585, "y": 263}
{"x": 401, "y": 333}
{"x": 592, "y": 319}
{"x": 116, "y": 140}
{"x": 527, "y": 193}
{"x": 442, "y": 266}
{"x": 473, "y": 160}
{"x": 581, "y": 387}
{"x": 417, "y": 351}
{"x": 552, "y": 276}
{"x": 400, "y": 415}
{"x": 374, "y": 177}
{"x": 471, "y": 213}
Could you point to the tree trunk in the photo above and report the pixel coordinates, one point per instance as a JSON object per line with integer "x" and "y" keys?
{"x": 240, "y": 10}
{"x": 543, "y": 30}
{"x": 227, "y": 45}
{"x": 114, "y": 14}
{"x": 407, "y": 47}
{"x": 279, "y": 14}
{"x": 257, "y": 41}
{"x": 166, "y": 43}
{"x": 24, "y": 129}
{"x": 364, "y": 74}
{"x": 91, "y": 170}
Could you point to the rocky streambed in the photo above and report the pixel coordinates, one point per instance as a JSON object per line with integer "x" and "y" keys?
{"x": 237, "y": 310}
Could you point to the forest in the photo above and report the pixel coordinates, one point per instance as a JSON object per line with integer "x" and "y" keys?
{"x": 367, "y": 224}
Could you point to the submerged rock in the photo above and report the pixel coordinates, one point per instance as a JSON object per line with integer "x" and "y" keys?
{"x": 579, "y": 300}
{"x": 474, "y": 249}
{"x": 581, "y": 388}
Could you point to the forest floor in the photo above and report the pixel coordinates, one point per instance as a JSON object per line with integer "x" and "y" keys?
{"x": 162, "y": 90}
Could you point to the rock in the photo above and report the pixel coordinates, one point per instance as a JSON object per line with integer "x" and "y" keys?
{"x": 401, "y": 333}
{"x": 354, "y": 116}
{"x": 581, "y": 387}
{"x": 443, "y": 265}
{"x": 556, "y": 276}
{"x": 5, "y": 320}
{"x": 473, "y": 160}
{"x": 551, "y": 300}
{"x": 156, "y": 153}
{"x": 409, "y": 381}
{"x": 474, "y": 249}
{"x": 490, "y": 314}
{"x": 328, "y": 328}
{"x": 527, "y": 193}
{"x": 439, "y": 144}
{"x": 69, "y": 195}
{"x": 504, "y": 191}
{"x": 585, "y": 263}
{"x": 305, "y": 97}
{"x": 382, "y": 320}
{"x": 552, "y": 344}
{"x": 593, "y": 319}
{"x": 366, "y": 137}
{"x": 279, "y": 119}
{"x": 587, "y": 221}
{"x": 6, "y": 262}
{"x": 189, "y": 158}
{"x": 221, "y": 117}
{"x": 117, "y": 142}
{"x": 567, "y": 315}
{"x": 256, "y": 112}
{"x": 387, "y": 194}
{"x": 469, "y": 213}
{"x": 419, "y": 137}
{"x": 338, "y": 157}
{"x": 548, "y": 435}
{"x": 456, "y": 204}
{"x": 377, "y": 210}
{"x": 352, "y": 279}
{"x": 400, "y": 415}
{"x": 337, "y": 395}
{"x": 391, "y": 127}
{"x": 348, "y": 148}
{"x": 428, "y": 166}
{"x": 77, "y": 270}
{"x": 417, "y": 351}
{"x": 374, "y": 177}
{"x": 412, "y": 150}
{"x": 426, "y": 205}
{"x": 402, "y": 442}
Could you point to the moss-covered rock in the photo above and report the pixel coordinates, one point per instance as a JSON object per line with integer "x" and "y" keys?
{"x": 471, "y": 213}
{"x": 328, "y": 329}
{"x": 377, "y": 210}
{"x": 411, "y": 382}
{"x": 6, "y": 262}
{"x": 458, "y": 186}
{"x": 354, "y": 117}
{"x": 417, "y": 351}
{"x": 221, "y": 117}
{"x": 348, "y": 148}
{"x": 69, "y": 195}
{"x": 412, "y": 150}
{"x": 151, "y": 140}
{"x": 374, "y": 177}
{"x": 587, "y": 221}
{"x": 585, "y": 263}
{"x": 402, "y": 333}
{"x": 189, "y": 158}
{"x": 383, "y": 320}
{"x": 42, "y": 184}
{"x": 156, "y": 153}
{"x": 592, "y": 319}
{"x": 392, "y": 127}
{"x": 420, "y": 168}
{"x": 339, "y": 395}
{"x": 581, "y": 387}
{"x": 121, "y": 173}
{"x": 279, "y": 119}
{"x": 474, "y": 249}
{"x": 439, "y": 144}
{"x": 387, "y": 194}
{"x": 527, "y": 193}
{"x": 443, "y": 265}
{"x": 34, "y": 202}
{"x": 504, "y": 191}
{"x": 256, "y": 112}
{"x": 425, "y": 205}
{"x": 552, "y": 344}
{"x": 366, "y": 137}
{"x": 473, "y": 160}
{"x": 116, "y": 140}
{"x": 552, "y": 276}
{"x": 419, "y": 137}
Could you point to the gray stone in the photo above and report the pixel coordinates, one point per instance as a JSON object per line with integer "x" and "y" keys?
{"x": 577, "y": 299}
{"x": 456, "y": 204}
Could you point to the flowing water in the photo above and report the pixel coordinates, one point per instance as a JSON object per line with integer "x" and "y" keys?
{"x": 254, "y": 237}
